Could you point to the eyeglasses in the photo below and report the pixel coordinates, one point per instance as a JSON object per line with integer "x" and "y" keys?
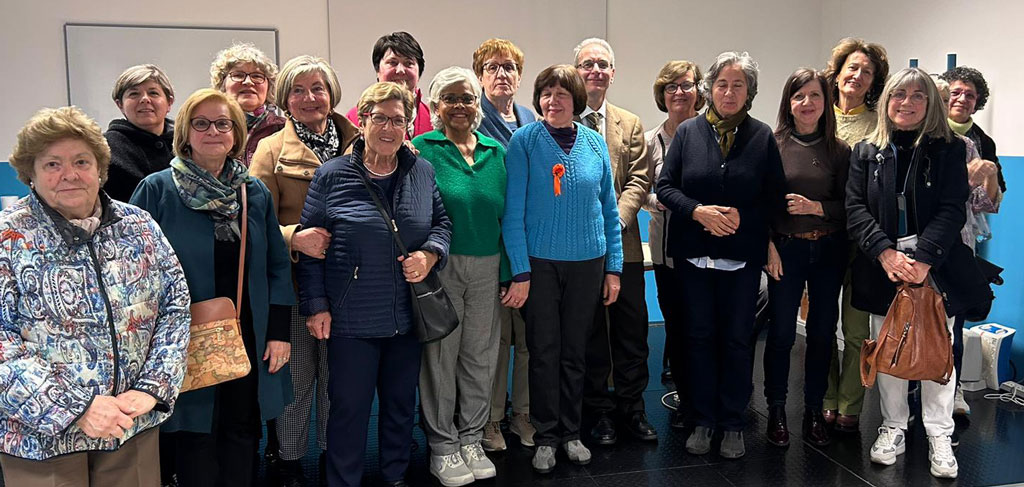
{"x": 492, "y": 68}
{"x": 590, "y": 64}
{"x": 382, "y": 120}
{"x": 682, "y": 87}
{"x": 239, "y": 77}
{"x": 223, "y": 125}
{"x": 452, "y": 100}
{"x": 969, "y": 96}
{"x": 916, "y": 97}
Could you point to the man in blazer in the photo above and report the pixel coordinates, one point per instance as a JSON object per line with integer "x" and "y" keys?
{"x": 618, "y": 342}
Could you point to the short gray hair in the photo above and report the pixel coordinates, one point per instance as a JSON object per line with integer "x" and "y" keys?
{"x": 589, "y": 41}
{"x": 449, "y": 76}
{"x": 725, "y": 59}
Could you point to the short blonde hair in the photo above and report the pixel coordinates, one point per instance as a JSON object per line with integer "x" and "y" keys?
{"x": 136, "y": 75}
{"x": 50, "y": 125}
{"x": 934, "y": 124}
{"x": 241, "y": 53}
{"x": 447, "y": 77}
{"x": 496, "y": 47}
{"x": 668, "y": 74}
{"x": 298, "y": 66}
{"x": 381, "y": 92}
{"x": 183, "y": 122}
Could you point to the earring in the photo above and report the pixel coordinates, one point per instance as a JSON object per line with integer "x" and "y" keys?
{"x": 32, "y": 185}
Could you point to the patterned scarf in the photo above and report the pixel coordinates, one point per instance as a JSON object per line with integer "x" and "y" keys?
{"x": 201, "y": 191}
{"x": 255, "y": 118}
{"x": 324, "y": 146}
{"x": 726, "y": 128}
{"x": 961, "y": 128}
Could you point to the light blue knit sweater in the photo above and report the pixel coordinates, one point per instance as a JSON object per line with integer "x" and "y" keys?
{"x": 582, "y": 223}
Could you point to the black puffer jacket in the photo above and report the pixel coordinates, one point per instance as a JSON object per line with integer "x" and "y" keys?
{"x": 135, "y": 154}
{"x": 936, "y": 194}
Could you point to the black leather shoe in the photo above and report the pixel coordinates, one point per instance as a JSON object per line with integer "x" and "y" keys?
{"x": 815, "y": 428}
{"x": 677, "y": 420}
{"x": 603, "y": 431}
{"x": 640, "y": 428}
{"x": 777, "y": 432}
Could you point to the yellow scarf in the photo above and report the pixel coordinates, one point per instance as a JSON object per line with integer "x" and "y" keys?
{"x": 726, "y": 127}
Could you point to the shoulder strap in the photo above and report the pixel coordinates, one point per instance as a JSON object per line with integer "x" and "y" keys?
{"x": 388, "y": 220}
{"x": 241, "y": 252}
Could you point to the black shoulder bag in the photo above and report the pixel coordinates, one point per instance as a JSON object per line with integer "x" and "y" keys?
{"x": 433, "y": 315}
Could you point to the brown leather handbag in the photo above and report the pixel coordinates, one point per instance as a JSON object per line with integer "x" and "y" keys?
{"x": 216, "y": 352}
{"x": 914, "y": 343}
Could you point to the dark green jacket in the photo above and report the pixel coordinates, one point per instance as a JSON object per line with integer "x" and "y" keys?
{"x": 270, "y": 282}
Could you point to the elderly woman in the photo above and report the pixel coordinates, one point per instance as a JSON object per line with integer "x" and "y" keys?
{"x": 359, "y": 296}
{"x": 285, "y": 161}
{"x": 912, "y": 157}
{"x": 968, "y": 93}
{"x": 94, "y": 321}
{"x": 140, "y": 143}
{"x": 249, "y": 76}
{"x": 722, "y": 179}
{"x": 398, "y": 58}
{"x": 214, "y": 433}
{"x": 856, "y": 73}
{"x": 561, "y": 232}
{"x": 498, "y": 64}
{"x": 459, "y": 370}
{"x": 808, "y": 249}
{"x": 675, "y": 93}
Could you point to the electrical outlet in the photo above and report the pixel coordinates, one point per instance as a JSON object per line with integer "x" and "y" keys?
{"x": 1013, "y": 387}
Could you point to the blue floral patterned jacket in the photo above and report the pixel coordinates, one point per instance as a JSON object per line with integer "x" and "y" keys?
{"x": 82, "y": 316}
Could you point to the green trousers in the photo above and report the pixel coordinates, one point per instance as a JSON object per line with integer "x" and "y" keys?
{"x": 845, "y": 391}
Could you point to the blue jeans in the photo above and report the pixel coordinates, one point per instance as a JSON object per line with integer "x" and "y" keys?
{"x": 820, "y": 264}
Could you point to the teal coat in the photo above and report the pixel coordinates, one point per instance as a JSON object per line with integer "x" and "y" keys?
{"x": 190, "y": 233}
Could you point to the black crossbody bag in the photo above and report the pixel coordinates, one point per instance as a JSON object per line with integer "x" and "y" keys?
{"x": 433, "y": 315}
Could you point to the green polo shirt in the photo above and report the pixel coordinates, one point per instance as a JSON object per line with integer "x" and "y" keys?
{"x": 474, "y": 196}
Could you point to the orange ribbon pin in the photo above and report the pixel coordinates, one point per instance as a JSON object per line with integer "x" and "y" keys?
{"x": 558, "y": 171}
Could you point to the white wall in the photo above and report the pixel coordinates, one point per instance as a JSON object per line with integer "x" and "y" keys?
{"x": 781, "y": 35}
{"x": 32, "y": 35}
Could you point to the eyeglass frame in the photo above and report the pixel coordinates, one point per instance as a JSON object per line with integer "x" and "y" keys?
{"x": 212, "y": 123}
{"x": 900, "y": 95}
{"x": 679, "y": 86}
{"x": 461, "y": 99}
{"x": 370, "y": 116}
{"x": 233, "y": 77}
{"x": 494, "y": 68}
{"x": 595, "y": 64}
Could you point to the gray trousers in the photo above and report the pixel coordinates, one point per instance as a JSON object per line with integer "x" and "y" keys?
{"x": 460, "y": 368}
{"x": 309, "y": 378}
{"x": 513, "y": 333}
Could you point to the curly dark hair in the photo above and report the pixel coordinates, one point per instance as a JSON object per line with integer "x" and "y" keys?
{"x": 972, "y": 76}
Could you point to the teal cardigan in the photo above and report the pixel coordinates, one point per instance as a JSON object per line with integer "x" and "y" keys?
{"x": 190, "y": 233}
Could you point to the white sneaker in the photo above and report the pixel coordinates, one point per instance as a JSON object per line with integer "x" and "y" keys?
{"x": 477, "y": 461}
{"x": 450, "y": 470}
{"x": 960, "y": 406}
{"x": 940, "y": 455}
{"x": 890, "y": 443}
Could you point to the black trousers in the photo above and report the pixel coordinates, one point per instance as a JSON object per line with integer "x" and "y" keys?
{"x": 360, "y": 367}
{"x": 228, "y": 455}
{"x": 670, "y": 299}
{"x": 617, "y": 346}
{"x": 559, "y": 316}
{"x": 720, "y": 308}
{"x": 821, "y": 264}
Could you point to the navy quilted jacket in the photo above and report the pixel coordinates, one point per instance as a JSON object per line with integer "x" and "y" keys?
{"x": 361, "y": 282}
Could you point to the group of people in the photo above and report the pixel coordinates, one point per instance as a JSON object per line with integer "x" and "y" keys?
{"x": 531, "y": 222}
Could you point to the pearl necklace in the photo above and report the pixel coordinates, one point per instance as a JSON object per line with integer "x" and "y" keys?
{"x": 379, "y": 175}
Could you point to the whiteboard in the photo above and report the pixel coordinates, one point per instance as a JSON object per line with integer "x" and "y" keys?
{"x": 98, "y": 54}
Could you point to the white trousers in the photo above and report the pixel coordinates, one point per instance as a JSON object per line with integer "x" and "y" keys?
{"x": 936, "y": 399}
